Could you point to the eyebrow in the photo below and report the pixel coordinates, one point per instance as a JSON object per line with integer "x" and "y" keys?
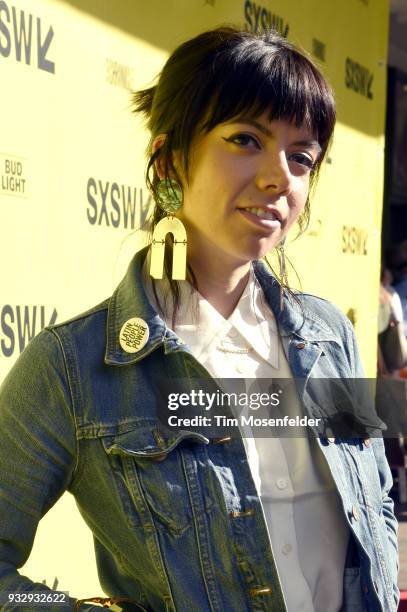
{"x": 262, "y": 128}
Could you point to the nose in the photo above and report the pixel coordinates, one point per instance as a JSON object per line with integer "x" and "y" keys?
{"x": 274, "y": 175}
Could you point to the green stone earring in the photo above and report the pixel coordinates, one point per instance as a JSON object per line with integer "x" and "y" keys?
{"x": 169, "y": 195}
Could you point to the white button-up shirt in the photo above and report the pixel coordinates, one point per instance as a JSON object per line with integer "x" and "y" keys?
{"x": 302, "y": 508}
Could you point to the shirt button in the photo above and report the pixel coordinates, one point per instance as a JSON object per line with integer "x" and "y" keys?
{"x": 240, "y": 368}
{"x": 281, "y": 483}
{"x": 287, "y": 548}
{"x": 232, "y": 333}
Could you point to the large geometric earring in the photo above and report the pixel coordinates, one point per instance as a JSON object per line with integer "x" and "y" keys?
{"x": 169, "y": 195}
{"x": 283, "y": 271}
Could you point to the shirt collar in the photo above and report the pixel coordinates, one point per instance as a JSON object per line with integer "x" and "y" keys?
{"x": 130, "y": 300}
{"x": 127, "y": 302}
{"x": 203, "y": 328}
{"x": 255, "y": 322}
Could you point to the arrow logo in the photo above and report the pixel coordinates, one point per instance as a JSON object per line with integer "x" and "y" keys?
{"x": 42, "y": 47}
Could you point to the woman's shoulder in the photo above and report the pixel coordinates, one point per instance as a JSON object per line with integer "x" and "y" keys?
{"x": 87, "y": 315}
{"x": 83, "y": 334}
{"x": 82, "y": 338}
{"x": 302, "y": 307}
{"x": 85, "y": 326}
{"x": 321, "y": 306}
{"x": 320, "y": 309}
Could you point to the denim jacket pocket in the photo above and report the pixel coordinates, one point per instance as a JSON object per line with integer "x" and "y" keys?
{"x": 151, "y": 466}
{"x": 352, "y": 591}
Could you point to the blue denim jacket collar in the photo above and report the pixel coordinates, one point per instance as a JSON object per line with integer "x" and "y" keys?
{"x": 130, "y": 300}
{"x": 295, "y": 317}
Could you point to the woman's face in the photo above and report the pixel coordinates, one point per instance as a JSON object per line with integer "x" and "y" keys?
{"x": 248, "y": 183}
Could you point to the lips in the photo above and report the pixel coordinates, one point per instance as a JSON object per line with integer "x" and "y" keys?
{"x": 264, "y": 212}
{"x": 265, "y": 219}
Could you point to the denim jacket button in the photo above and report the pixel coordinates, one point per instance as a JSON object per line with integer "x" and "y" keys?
{"x": 331, "y": 440}
{"x": 237, "y": 514}
{"x": 260, "y": 591}
{"x": 301, "y": 345}
{"x": 221, "y": 440}
{"x": 355, "y": 513}
{"x": 367, "y": 442}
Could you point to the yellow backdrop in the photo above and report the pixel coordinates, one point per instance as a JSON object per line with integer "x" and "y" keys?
{"x": 71, "y": 173}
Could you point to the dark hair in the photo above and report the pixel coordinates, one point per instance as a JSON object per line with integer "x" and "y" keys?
{"x": 227, "y": 73}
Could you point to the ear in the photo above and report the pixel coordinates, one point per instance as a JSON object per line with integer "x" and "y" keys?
{"x": 157, "y": 144}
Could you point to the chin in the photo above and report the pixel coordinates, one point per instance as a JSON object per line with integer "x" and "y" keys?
{"x": 262, "y": 248}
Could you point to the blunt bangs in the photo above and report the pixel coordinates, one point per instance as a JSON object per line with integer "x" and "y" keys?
{"x": 260, "y": 76}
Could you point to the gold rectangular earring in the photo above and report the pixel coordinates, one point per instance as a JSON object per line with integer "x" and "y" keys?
{"x": 169, "y": 225}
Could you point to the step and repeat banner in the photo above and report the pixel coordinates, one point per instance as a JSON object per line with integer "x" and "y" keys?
{"x": 72, "y": 195}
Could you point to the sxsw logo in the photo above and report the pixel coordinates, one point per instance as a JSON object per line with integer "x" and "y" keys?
{"x": 19, "y": 324}
{"x": 25, "y": 37}
{"x": 116, "y": 205}
{"x": 359, "y": 78}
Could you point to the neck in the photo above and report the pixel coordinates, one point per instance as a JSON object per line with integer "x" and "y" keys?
{"x": 220, "y": 281}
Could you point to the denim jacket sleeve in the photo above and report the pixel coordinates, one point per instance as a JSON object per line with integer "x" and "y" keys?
{"x": 37, "y": 456}
{"x": 385, "y": 475}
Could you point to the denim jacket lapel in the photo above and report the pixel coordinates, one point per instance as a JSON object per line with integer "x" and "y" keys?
{"x": 129, "y": 301}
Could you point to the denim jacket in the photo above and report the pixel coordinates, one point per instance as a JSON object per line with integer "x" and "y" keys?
{"x": 177, "y": 522}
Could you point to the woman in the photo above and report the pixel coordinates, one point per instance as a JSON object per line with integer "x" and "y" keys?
{"x": 240, "y": 124}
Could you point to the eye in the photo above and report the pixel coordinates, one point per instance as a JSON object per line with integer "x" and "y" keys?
{"x": 303, "y": 159}
{"x": 243, "y": 140}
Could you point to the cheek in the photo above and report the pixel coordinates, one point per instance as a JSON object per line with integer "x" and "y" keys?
{"x": 207, "y": 182}
{"x": 298, "y": 200}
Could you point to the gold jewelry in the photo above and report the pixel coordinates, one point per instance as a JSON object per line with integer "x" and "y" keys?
{"x": 169, "y": 225}
{"x": 169, "y": 198}
{"x": 283, "y": 271}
